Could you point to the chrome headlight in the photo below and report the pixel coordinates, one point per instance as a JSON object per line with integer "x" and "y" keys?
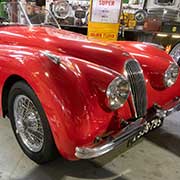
{"x": 117, "y": 92}
{"x": 171, "y": 74}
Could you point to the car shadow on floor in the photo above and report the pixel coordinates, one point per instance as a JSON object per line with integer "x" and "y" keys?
{"x": 62, "y": 169}
{"x": 166, "y": 140}
{"x": 96, "y": 169}
{"x": 168, "y": 136}
{"x": 82, "y": 169}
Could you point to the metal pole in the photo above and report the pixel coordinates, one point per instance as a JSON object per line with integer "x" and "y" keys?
{"x": 24, "y": 12}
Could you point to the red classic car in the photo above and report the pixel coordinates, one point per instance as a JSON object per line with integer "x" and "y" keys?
{"x": 82, "y": 98}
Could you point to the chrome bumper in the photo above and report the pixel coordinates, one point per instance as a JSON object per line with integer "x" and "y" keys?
{"x": 135, "y": 129}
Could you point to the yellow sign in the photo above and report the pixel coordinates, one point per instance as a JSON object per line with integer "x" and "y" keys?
{"x": 104, "y": 19}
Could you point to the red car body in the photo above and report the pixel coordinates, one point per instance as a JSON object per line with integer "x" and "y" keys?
{"x": 73, "y": 92}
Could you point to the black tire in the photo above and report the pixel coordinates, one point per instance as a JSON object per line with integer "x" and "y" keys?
{"x": 48, "y": 151}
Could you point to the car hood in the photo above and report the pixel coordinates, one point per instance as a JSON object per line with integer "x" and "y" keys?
{"x": 112, "y": 55}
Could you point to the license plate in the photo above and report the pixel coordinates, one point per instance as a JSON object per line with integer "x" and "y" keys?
{"x": 148, "y": 126}
{"x": 132, "y": 140}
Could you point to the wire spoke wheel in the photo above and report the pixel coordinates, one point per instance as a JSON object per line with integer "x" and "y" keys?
{"x": 28, "y": 123}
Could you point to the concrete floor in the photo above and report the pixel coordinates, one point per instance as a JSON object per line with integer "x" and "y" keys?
{"x": 156, "y": 157}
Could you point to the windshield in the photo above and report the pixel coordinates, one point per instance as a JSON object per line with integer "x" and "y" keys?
{"x": 28, "y": 14}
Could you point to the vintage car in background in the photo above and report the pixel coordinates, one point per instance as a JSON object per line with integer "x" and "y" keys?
{"x": 82, "y": 98}
{"x": 70, "y": 13}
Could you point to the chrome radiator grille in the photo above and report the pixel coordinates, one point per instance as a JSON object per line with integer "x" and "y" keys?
{"x": 138, "y": 87}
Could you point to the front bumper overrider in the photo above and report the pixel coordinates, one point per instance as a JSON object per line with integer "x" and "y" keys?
{"x": 133, "y": 131}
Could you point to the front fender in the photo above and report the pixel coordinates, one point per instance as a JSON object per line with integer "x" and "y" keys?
{"x": 72, "y": 95}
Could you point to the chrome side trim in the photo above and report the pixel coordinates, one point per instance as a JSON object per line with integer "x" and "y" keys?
{"x": 53, "y": 57}
{"x": 137, "y": 128}
{"x": 137, "y": 82}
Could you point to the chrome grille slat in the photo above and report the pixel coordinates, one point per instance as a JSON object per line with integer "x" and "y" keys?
{"x": 138, "y": 87}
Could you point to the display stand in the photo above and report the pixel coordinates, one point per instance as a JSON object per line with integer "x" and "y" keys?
{"x": 104, "y": 19}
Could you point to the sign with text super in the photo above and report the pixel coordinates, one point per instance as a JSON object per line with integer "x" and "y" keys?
{"x": 104, "y": 19}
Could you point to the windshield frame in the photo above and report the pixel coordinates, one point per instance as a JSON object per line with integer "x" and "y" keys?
{"x": 28, "y": 20}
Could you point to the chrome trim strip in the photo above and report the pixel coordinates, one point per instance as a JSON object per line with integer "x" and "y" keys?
{"x": 130, "y": 131}
{"x": 53, "y": 57}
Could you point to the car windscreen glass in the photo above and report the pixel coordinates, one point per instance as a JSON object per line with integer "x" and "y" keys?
{"x": 28, "y": 14}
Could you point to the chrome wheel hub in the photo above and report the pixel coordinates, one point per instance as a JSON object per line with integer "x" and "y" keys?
{"x": 28, "y": 123}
